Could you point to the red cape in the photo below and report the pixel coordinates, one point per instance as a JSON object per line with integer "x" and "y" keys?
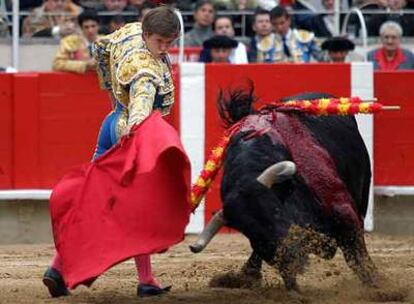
{"x": 132, "y": 200}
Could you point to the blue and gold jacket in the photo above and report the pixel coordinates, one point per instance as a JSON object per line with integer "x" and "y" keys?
{"x": 302, "y": 46}
{"x": 138, "y": 81}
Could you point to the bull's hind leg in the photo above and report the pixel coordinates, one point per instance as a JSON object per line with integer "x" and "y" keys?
{"x": 357, "y": 257}
{"x": 321, "y": 245}
{"x": 292, "y": 255}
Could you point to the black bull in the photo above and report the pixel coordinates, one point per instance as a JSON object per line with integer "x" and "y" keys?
{"x": 294, "y": 184}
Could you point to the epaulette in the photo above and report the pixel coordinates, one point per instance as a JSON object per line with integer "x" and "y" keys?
{"x": 303, "y": 36}
{"x": 72, "y": 42}
{"x": 136, "y": 64}
{"x": 130, "y": 29}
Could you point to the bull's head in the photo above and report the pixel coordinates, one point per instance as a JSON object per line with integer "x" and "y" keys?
{"x": 272, "y": 175}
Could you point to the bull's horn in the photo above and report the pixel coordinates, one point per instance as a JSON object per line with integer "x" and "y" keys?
{"x": 209, "y": 232}
{"x": 277, "y": 173}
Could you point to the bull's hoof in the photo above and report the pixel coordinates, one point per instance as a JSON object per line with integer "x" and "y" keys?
{"x": 236, "y": 280}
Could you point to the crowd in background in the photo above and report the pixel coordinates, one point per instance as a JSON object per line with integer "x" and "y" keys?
{"x": 274, "y": 30}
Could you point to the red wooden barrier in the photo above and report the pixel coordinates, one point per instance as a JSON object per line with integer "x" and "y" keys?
{"x": 191, "y": 54}
{"x": 49, "y": 121}
{"x": 6, "y": 135}
{"x": 394, "y": 140}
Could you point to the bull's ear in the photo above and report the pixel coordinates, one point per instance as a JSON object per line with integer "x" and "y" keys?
{"x": 277, "y": 173}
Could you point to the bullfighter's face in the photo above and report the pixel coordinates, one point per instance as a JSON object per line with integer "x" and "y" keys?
{"x": 158, "y": 45}
{"x": 262, "y": 25}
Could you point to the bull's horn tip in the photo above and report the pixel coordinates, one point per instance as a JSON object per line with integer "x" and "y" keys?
{"x": 196, "y": 248}
{"x": 291, "y": 166}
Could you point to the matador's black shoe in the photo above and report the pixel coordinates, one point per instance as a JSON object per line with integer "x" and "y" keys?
{"x": 53, "y": 280}
{"x": 146, "y": 290}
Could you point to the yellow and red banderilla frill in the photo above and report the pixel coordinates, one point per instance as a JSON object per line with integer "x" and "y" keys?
{"x": 322, "y": 106}
{"x": 209, "y": 172}
{"x": 330, "y": 106}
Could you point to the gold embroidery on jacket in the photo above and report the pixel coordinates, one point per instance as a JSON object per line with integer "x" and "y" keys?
{"x": 132, "y": 73}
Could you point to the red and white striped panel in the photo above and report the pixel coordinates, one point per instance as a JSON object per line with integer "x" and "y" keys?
{"x": 200, "y": 126}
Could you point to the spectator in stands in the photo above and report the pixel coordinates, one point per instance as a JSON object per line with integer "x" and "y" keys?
{"x": 74, "y": 54}
{"x": 184, "y": 5}
{"x": 73, "y": 8}
{"x": 110, "y": 8}
{"x": 89, "y": 4}
{"x": 317, "y": 16}
{"x": 54, "y": 18}
{"x": 237, "y": 5}
{"x": 262, "y": 45}
{"x": 391, "y": 56}
{"x": 339, "y": 49}
{"x": 116, "y": 23}
{"x": 223, "y": 25}
{"x": 292, "y": 45}
{"x": 243, "y": 7}
{"x": 203, "y": 20}
{"x": 137, "y": 4}
{"x": 394, "y": 11}
{"x": 220, "y": 48}
{"x": 323, "y": 25}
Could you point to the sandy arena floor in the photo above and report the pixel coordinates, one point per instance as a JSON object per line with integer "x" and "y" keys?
{"x": 324, "y": 281}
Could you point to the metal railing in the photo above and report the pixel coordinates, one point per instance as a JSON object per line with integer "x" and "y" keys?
{"x": 364, "y": 32}
{"x": 13, "y": 18}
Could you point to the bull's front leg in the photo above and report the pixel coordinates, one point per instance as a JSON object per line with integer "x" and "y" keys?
{"x": 291, "y": 256}
{"x": 357, "y": 257}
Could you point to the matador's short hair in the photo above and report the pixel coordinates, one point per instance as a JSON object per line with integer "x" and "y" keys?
{"x": 161, "y": 20}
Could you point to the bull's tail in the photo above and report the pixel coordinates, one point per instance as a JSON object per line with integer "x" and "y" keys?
{"x": 234, "y": 104}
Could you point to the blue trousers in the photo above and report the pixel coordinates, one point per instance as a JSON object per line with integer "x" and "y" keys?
{"x": 107, "y": 135}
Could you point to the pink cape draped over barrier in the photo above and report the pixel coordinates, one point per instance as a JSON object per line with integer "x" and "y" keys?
{"x": 132, "y": 200}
